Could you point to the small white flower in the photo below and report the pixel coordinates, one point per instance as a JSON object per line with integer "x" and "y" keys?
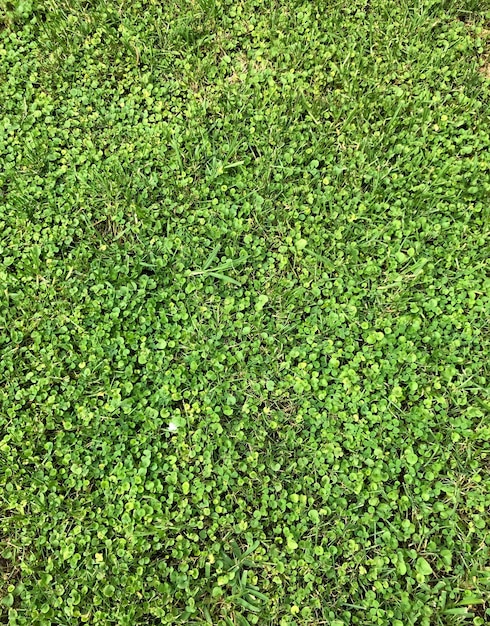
{"x": 173, "y": 427}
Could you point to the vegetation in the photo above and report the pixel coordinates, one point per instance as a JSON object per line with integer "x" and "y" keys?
{"x": 244, "y": 312}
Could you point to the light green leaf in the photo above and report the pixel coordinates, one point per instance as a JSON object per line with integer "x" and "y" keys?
{"x": 261, "y": 302}
{"x": 423, "y": 567}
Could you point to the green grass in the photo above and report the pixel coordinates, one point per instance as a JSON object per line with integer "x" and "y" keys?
{"x": 244, "y": 313}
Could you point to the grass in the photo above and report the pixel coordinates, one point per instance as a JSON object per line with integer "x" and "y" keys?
{"x": 244, "y": 313}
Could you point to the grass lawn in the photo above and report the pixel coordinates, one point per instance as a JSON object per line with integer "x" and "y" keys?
{"x": 244, "y": 312}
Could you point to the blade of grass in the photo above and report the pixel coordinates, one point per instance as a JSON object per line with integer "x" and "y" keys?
{"x": 211, "y": 257}
{"x": 224, "y": 278}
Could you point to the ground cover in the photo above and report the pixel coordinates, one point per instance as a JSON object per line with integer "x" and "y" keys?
{"x": 244, "y": 312}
